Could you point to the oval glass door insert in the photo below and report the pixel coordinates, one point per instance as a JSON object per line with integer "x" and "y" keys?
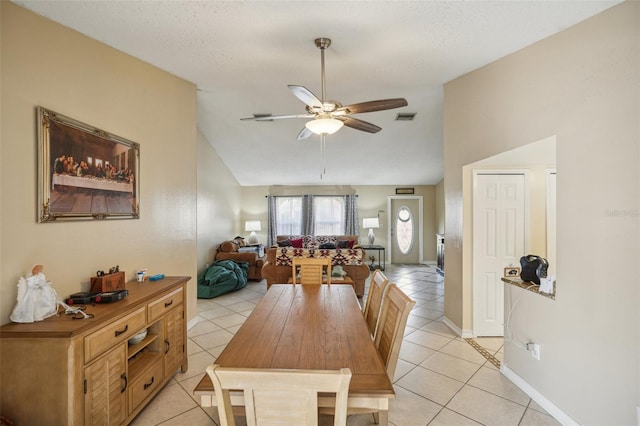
{"x": 404, "y": 230}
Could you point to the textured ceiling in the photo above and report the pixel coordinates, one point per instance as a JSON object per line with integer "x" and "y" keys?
{"x": 243, "y": 54}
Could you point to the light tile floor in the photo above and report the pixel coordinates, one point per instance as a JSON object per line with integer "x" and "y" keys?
{"x": 440, "y": 378}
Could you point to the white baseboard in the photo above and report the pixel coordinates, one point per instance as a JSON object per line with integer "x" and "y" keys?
{"x": 465, "y": 334}
{"x": 192, "y": 323}
{"x": 549, "y": 406}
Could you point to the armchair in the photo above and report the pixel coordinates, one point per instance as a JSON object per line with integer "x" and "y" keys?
{"x": 230, "y": 250}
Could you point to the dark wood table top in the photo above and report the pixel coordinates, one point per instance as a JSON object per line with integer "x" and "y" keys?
{"x": 308, "y": 327}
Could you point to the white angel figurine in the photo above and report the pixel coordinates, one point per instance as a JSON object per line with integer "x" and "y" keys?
{"x": 37, "y": 300}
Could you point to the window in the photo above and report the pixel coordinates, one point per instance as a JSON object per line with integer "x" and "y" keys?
{"x": 289, "y": 215}
{"x": 404, "y": 230}
{"x": 328, "y": 215}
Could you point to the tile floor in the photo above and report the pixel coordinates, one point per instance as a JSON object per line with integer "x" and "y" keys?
{"x": 440, "y": 378}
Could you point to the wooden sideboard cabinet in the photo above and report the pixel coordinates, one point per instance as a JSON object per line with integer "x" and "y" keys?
{"x": 67, "y": 371}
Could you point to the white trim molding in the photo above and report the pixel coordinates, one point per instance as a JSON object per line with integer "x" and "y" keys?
{"x": 465, "y": 334}
{"x": 549, "y": 406}
{"x": 193, "y": 323}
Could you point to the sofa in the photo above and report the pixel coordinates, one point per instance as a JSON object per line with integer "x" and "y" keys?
{"x": 239, "y": 251}
{"x": 347, "y": 253}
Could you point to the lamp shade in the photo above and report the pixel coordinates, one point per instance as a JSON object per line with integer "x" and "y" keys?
{"x": 370, "y": 222}
{"x": 324, "y": 125}
{"x": 252, "y": 225}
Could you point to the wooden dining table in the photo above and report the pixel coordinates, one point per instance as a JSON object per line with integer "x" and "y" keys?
{"x": 317, "y": 327}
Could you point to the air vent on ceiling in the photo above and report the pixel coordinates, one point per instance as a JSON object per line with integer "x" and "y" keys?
{"x": 263, "y": 117}
{"x": 405, "y": 116}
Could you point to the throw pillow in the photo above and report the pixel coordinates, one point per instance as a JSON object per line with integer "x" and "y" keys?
{"x": 327, "y": 246}
{"x": 284, "y": 243}
{"x": 297, "y": 243}
{"x": 346, "y": 243}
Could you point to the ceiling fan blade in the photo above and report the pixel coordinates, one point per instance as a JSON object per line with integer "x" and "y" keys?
{"x": 357, "y": 124}
{"x": 372, "y": 106}
{"x": 304, "y": 134}
{"x": 305, "y": 96}
{"x": 277, "y": 117}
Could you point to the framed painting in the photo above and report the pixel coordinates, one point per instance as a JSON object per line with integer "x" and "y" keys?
{"x": 512, "y": 272}
{"x": 85, "y": 172}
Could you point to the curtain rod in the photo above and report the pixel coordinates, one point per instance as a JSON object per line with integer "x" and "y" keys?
{"x": 315, "y": 195}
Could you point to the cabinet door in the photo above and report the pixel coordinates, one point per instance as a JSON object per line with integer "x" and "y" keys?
{"x": 174, "y": 350}
{"x": 105, "y": 384}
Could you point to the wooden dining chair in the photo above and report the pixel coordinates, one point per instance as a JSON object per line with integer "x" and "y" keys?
{"x": 394, "y": 313}
{"x": 311, "y": 270}
{"x": 396, "y": 307}
{"x": 273, "y": 396}
{"x": 374, "y": 300}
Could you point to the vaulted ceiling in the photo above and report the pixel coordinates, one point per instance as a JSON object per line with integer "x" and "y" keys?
{"x": 241, "y": 55}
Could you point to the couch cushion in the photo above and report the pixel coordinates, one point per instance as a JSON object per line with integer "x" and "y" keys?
{"x": 284, "y": 243}
{"x": 346, "y": 243}
{"x": 228, "y": 246}
{"x": 297, "y": 243}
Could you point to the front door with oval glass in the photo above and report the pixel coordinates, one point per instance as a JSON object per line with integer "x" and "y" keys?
{"x": 405, "y": 230}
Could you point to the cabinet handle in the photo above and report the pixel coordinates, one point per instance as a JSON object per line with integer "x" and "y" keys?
{"x": 146, "y": 385}
{"x": 166, "y": 342}
{"x": 166, "y": 305}
{"x": 123, "y": 376}
{"x": 118, "y": 332}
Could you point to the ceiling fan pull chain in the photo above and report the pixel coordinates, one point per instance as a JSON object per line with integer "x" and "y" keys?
{"x": 322, "y": 149}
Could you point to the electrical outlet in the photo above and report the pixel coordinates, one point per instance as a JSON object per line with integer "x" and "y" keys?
{"x": 535, "y": 350}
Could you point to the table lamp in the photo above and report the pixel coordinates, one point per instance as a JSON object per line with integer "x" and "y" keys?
{"x": 371, "y": 223}
{"x": 253, "y": 226}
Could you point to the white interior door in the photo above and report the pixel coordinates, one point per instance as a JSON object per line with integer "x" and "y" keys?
{"x": 498, "y": 241}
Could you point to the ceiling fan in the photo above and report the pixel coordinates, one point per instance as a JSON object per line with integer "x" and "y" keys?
{"x": 329, "y": 116}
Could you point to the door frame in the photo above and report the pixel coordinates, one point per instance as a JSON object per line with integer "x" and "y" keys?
{"x": 420, "y": 224}
{"x": 551, "y": 214}
{"x": 475, "y": 172}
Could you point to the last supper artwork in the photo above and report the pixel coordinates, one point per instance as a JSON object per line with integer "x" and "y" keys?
{"x": 89, "y": 173}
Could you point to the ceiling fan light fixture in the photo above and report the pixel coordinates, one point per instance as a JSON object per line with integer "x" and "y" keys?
{"x": 324, "y": 125}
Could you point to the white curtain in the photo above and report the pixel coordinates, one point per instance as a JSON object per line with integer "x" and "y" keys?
{"x": 312, "y": 215}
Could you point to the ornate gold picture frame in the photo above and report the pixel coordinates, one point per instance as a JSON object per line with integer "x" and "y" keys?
{"x": 84, "y": 172}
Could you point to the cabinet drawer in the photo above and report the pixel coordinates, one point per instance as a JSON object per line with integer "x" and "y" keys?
{"x": 114, "y": 333}
{"x": 144, "y": 385}
{"x": 158, "y": 308}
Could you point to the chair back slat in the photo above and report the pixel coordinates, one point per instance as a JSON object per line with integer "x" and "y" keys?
{"x": 374, "y": 300}
{"x": 396, "y": 307}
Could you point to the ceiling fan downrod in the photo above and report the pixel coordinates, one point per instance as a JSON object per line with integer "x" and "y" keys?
{"x": 322, "y": 43}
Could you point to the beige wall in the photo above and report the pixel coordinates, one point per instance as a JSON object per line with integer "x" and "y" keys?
{"x": 219, "y": 203}
{"x": 580, "y": 85}
{"x": 370, "y": 200}
{"x": 46, "y": 64}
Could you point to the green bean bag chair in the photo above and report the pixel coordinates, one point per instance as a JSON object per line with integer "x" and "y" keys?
{"x": 222, "y": 277}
